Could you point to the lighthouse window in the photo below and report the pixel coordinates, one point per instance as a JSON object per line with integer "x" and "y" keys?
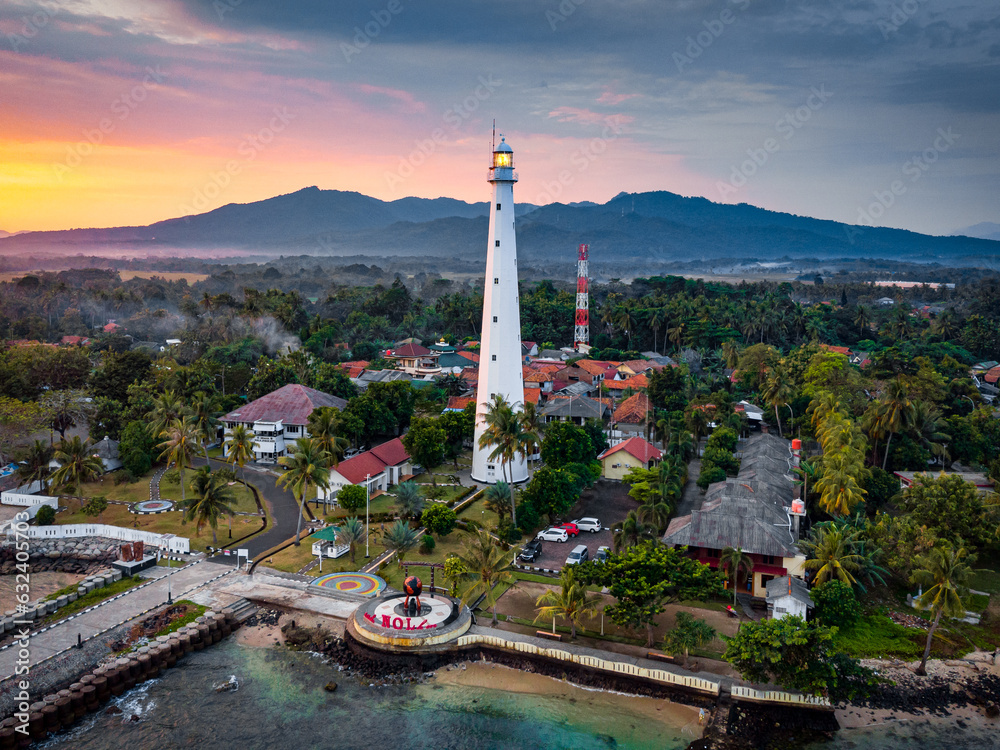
{"x": 496, "y": 280}
{"x": 494, "y": 318}
{"x": 498, "y": 206}
{"x": 494, "y": 358}
{"x": 498, "y": 243}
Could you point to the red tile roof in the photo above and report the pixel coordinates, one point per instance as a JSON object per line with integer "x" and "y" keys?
{"x": 74, "y": 340}
{"x": 636, "y": 365}
{"x": 355, "y": 469}
{"x": 636, "y": 447}
{"x": 292, "y": 404}
{"x": 635, "y": 382}
{"x": 460, "y": 402}
{"x": 410, "y": 350}
{"x": 469, "y": 355}
{"x": 632, "y": 410}
{"x": 992, "y": 375}
{"x": 538, "y": 377}
{"x": 532, "y": 395}
{"x": 593, "y": 366}
{"x": 845, "y": 350}
{"x": 391, "y": 453}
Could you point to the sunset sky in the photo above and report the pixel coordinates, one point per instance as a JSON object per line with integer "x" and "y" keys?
{"x": 119, "y": 112}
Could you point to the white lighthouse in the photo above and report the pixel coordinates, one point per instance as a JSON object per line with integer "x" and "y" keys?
{"x": 500, "y": 348}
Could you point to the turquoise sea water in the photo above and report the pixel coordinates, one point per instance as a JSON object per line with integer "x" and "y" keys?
{"x": 281, "y": 703}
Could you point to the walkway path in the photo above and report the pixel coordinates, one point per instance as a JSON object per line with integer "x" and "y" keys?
{"x": 64, "y": 634}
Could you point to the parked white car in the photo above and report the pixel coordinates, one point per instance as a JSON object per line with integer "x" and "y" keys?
{"x": 588, "y": 524}
{"x": 553, "y": 535}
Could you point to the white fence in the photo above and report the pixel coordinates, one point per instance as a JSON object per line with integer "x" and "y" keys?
{"x": 24, "y": 500}
{"x": 657, "y": 675}
{"x": 149, "y": 539}
{"x": 779, "y": 696}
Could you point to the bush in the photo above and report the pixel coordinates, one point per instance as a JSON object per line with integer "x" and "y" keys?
{"x": 506, "y": 530}
{"x": 136, "y": 463}
{"x": 724, "y": 438}
{"x": 46, "y": 516}
{"x": 710, "y": 474}
{"x": 427, "y": 544}
{"x": 836, "y": 604}
{"x": 438, "y": 519}
{"x": 352, "y": 497}
{"x": 96, "y": 506}
{"x": 528, "y": 517}
{"x": 878, "y": 637}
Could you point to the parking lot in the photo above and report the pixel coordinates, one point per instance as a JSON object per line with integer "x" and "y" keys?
{"x": 609, "y": 503}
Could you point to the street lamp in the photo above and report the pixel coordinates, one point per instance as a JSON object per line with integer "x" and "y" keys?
{"x": 368, "y": 497}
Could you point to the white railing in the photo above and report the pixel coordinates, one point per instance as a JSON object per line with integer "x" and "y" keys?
{"x": 148, "y": 538}
{"x": 25, "y": 501}
{"x": 657, "y": 675}
{"x": 778, "y": 696}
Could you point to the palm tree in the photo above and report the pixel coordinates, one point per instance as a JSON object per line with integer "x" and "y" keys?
{"x": 862, "y": 318}
{"x": 453, "y": 385}
{"x": 928, "y": 427}
{"x": 401, "y": 538}
{"x": 687, "y": 633}
{"x": 505, "y": 434}
{"x": 572, "y": 602}
{"x": 532, "y": 424}
{"x": 350, "y": 534}
{"x": 324, "y": 424}
{"x": 498, "y": 499}
{"x": 630, "y": 531}
{"x": 212, "y": 499}
{"x": 306, "y": 465}
{"x": 205, "y": 415}
{"x": 409, "y": 499}
{"x": 777, "y": 393}
{"x": 839, "y": 484}
{"x": 167, "y": 407}
{"x": 733, "y": 560}
{"x": 944, "y": 573}
{"x": 832, "y": 553}
{"x": 77, "y": 464}
{"x": 180, "y": 440}
{"x": 654, "y": 511}
{"x": 896, "y": 414}
{"x": 488, "y": 567}
{"x": 657, "y": 317}
{"x": 33, "y": 465}
{"x": 239, "y": 447}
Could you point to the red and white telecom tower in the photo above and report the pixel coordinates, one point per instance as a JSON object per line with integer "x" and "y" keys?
{"x": 581, "y": 333}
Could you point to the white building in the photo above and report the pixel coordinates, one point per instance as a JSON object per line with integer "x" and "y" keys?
{"x": 379, "y": 468}
{"x": 500, "y": 343}
{"x": 279, "y": 418}
{"x": 788, "y": 597}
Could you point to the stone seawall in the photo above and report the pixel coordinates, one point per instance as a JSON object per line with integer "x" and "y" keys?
{"x": 71, "y": 692}
{"x": 81, "y": 555}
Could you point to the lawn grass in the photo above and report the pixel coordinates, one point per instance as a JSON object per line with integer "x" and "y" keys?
{"x": 193, "y": 613}
{"x": 876, "y": 636}
{"x": 293, "y": 559}
{"x": 171, "y": 522}
{"x": 94, "y": 597}
{"x": 479, "y": 513}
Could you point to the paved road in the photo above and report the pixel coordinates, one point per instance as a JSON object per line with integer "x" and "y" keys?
{"x": 284, "y": 511}
{"x": 64, "y": 634}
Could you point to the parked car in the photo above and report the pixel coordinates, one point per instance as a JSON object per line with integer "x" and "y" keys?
{"x": 531, "y": 551}
{"x": 588, "y": 524}
{"x": 579, "y": 554}
{"x": 570, "y": 528}
{"x": 553, "y": 534}
{"x": 602, "y": 554}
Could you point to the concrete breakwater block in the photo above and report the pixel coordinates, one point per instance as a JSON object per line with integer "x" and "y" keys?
{"x": 60, "y": 710}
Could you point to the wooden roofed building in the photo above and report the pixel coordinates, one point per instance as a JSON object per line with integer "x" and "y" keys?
{"x": 751, "y": 511}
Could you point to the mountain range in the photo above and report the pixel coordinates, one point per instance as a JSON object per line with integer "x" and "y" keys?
{"x": 645, "y": 226}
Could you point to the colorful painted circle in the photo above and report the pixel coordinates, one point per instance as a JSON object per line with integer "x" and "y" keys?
{"x": 353, "y": 583}
{"x": 152, "y": 506}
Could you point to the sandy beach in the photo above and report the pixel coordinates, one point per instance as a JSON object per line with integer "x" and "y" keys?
{"x": 497, "y": 677}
